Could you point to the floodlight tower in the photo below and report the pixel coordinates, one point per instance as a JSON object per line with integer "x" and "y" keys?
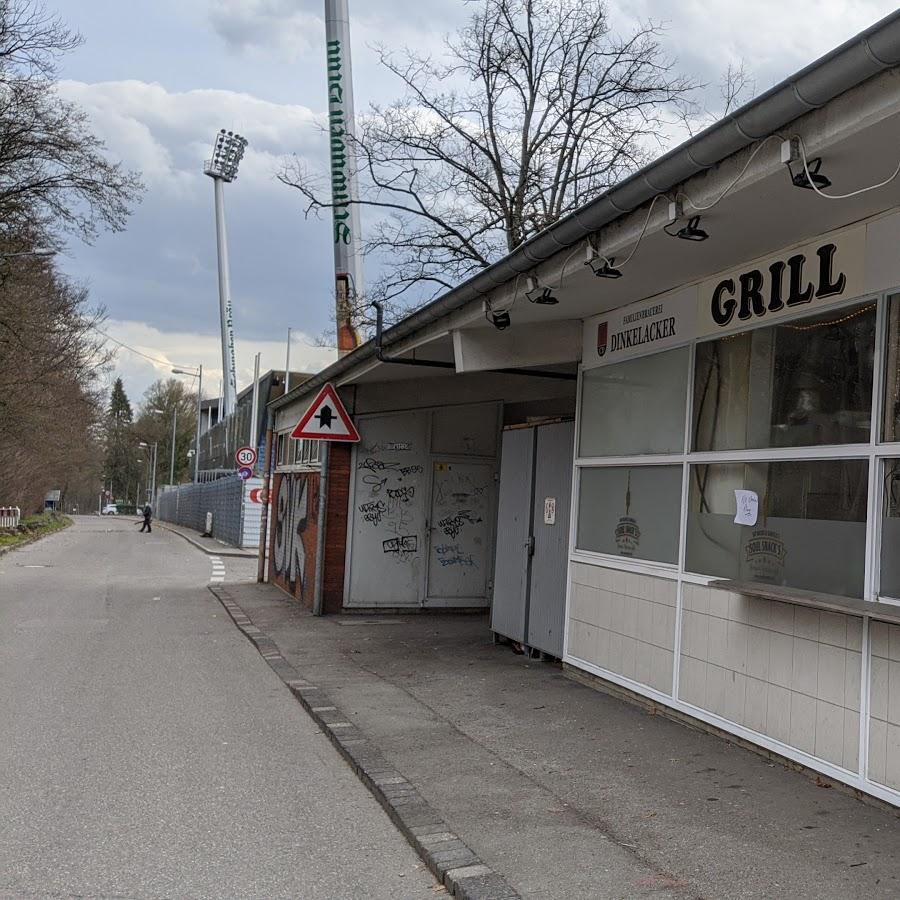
{"x": 223, "y": 167}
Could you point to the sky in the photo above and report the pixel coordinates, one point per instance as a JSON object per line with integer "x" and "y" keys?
{"x": 159, "y": 79}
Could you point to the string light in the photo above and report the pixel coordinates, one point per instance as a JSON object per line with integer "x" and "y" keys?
{"x": 853, "y": 315}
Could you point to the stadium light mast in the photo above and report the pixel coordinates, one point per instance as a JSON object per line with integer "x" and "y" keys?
{"x": 223, "y": 168}
{"x": 348, "y": 276}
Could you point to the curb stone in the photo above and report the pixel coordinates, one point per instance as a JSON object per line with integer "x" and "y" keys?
{"x": 447, "y": 856}
{"x": 224, "y": 551}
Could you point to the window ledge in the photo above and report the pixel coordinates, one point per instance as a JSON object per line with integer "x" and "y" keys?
{"x": 814, "y": 599}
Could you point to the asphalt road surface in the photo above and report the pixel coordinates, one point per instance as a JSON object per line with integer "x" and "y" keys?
{"x": 147, "y": 751}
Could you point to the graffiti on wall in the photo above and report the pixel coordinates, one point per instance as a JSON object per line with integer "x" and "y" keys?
{"x": 387, "y": 494}
{"x": 462, "y": 509}
{"x": 296, "y": 502}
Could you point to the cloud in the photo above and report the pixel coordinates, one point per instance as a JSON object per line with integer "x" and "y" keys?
{"x": 295, "y": 29}
{"x": 162, "y": 270}
{"x": 773, "y": 38}
{"x": 168, "y": 135}
{"x": 279, "y": 25}
{"x": 176, "y": 349}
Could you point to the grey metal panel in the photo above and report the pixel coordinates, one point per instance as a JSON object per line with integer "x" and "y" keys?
{"x": 549, "y": 565}
{"x": 462, "y": 525}
{"x": 387, "y": 552}
{"x": 508, "y": 612}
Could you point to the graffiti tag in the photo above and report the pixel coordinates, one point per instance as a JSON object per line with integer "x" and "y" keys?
{"x": 402, "y": 495}
{"x": 453, "y": 525}
{"x": 396, "y": 446}
{"x": 403, "y": 543}
{"x": 451, "y": 555}
{"x": 375, "y": 483}
{"x": 376, "y": 465}
{"x": 373, "y": 511}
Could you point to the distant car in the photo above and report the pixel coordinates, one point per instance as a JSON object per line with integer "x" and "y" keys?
{"x": 110, "y": 509}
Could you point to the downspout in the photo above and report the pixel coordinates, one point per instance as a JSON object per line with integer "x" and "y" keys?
{"x": 261, "y": 573}
{"x": 318, "y": 595}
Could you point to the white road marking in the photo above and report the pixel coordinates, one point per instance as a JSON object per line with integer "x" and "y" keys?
{"x": 218, "y": 570}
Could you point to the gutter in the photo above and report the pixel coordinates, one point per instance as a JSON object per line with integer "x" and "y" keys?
{"x": 853, "y": 62}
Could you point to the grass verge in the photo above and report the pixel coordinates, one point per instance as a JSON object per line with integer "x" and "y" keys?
{"x": 31, "y": 528}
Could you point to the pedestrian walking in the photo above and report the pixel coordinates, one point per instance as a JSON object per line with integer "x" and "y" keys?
{"x": 148, "y": 515}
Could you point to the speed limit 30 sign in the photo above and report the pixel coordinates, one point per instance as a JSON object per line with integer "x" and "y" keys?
{"x": 245, "y": 457}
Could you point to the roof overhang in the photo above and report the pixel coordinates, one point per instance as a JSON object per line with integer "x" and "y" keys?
{"x": 845, "y": 106}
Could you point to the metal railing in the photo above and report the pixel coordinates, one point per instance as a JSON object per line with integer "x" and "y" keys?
{"x": 10, "y": 516}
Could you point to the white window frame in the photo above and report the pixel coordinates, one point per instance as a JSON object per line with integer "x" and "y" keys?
{"x": 297, "y": 455}
{"x": 874, "y": 451}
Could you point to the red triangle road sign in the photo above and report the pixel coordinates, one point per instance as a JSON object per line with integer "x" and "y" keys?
{"x": 326, "y": 419}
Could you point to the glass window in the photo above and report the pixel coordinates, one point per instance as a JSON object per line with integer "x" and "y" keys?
{"x": 891, "y": 428}
{"x": 631, "y": 511}
{"x": 810, "y": 528}
{"x": 798, "y": 384}
{"x": 635, "y": 407}
{"x": 890, "y": 531}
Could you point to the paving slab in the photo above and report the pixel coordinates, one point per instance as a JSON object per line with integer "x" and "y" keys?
{"x": 566, "y": 792}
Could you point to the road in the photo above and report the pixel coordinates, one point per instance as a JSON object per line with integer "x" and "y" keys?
{"x": 147, "y": 751}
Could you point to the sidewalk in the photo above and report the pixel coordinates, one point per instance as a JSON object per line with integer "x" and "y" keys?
{"x": 208, "y": 545}
{"x": 567, "y": 792}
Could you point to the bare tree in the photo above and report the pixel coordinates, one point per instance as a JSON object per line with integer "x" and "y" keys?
{"x": 536, "y": 108}
{"x": 54, "y": 173}
{"x": 50, "y": 359}
{"x": 734, "y": 88}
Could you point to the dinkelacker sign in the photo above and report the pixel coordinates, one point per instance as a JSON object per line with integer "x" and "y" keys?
{"x": 826, "y": 271}
{"x": 640, "y": 328}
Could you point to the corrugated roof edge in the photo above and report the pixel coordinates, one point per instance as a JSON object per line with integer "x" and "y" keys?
{"x": 858, "y": 59}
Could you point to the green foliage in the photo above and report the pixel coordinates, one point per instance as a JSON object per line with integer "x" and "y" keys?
{"x": 31, "y": 528}
{"x": 167, "y": 402}
{"x": 121, "y": 470}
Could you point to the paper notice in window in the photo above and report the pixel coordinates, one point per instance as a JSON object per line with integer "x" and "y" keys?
{"x": 747, "y": 507}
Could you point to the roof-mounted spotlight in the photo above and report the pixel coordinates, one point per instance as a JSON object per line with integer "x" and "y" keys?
{"x": 692, "y": 231}
{"x": 814, "y": 179}
{"x": 602, "y": 266}
{"x": 538, "y": 294}
{"x": 500, "y": 319}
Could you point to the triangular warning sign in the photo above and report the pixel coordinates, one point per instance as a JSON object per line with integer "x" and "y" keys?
{"x": 326, "y": 419}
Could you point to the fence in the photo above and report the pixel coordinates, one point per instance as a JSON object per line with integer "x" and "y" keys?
{"x": 232, "y": 502}
{"x": 9, "y": 516}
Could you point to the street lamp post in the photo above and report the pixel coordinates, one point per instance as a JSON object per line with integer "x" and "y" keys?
{"x": 172, "y": 463}
{"x": 222, "y": 168}
{"x": 199, "y": 377}
{"x": 162, "y": 412}
{"x": 154, "y": 446}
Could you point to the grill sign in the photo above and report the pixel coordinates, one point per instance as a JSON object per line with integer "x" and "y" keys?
{"x": 784, "y": 284}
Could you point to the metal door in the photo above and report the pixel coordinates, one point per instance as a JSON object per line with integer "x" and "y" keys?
{"x": 461, "y": 527}
{"x": 550, "y": 530}
{"x": 387, "y": 549}
{"x": 514, "y": 513}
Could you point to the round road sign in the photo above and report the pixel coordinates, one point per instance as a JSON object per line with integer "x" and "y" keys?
{"x": 246, "y": 456}
{"x": 245, "y": 472}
